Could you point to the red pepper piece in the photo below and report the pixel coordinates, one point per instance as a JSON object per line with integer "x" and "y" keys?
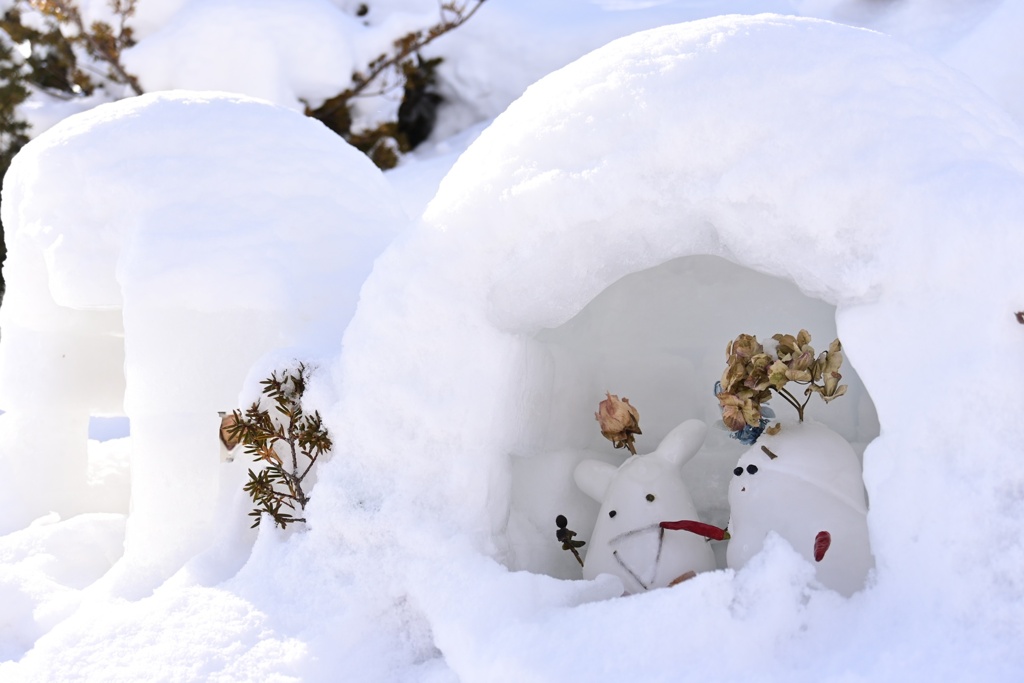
{"x": 700, "y": 528}
{"x": 821, "y": 544}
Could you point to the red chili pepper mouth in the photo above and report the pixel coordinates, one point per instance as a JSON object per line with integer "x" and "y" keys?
{"x": 700, "y": 528}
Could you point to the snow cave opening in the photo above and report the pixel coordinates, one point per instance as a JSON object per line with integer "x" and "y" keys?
{"x": 658, "y": 337}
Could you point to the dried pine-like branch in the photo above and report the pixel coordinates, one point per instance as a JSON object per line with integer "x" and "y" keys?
{"x": 287, "y": 441}
{"x": 402, "y": 66}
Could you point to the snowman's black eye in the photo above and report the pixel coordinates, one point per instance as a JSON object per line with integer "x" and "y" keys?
{"x": 738, "y": 471}
{"x": 752, "y": 469}
{"x": 650, "y": 497}
{"x": 611, "y": 513}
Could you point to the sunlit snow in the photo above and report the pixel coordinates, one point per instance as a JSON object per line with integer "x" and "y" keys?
{"x": 609, "y": 230}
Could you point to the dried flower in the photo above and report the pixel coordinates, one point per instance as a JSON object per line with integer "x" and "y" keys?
{"x": 752, "y": 374}
{"x": 826, "y": 368}
{"x": 619, "y": 421}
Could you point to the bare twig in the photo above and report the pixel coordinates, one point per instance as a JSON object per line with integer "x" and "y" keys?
{"x": 109, "y": 50}
{"x": 453, "y": 15}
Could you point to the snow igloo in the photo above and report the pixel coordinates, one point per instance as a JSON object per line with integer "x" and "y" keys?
{"x": 612, "y": 231}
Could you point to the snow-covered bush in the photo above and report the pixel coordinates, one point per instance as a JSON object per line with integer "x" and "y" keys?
{"x": 403, "y": 68}
{"x": 53, "y": 50}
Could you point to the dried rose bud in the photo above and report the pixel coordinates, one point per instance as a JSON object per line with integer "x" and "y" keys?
{"x": 619, "y": 421}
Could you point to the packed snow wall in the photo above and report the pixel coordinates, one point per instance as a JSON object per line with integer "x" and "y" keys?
{"x": 164, "y": 252}
{"x": 866, "y": 176}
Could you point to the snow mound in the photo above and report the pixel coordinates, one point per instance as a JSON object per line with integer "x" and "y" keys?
{"x": 871, "y": 176}
{"x": 286, "y": 53}
{"x": 161, "y": 249}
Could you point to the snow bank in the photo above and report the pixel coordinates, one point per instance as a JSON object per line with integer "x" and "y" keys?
{"x": 182, "y": 236}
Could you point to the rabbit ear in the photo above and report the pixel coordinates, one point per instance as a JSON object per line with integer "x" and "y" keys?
{"x": 682, "y": 443}
{"x": 594, "y": 477}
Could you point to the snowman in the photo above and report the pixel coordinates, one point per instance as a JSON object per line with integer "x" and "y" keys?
{"x": 804, "y": 483}
{"x": 640, "y": 535}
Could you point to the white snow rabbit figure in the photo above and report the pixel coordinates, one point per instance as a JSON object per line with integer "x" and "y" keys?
{"x": 636, "y": 497}
{"x": 799, "y": 483}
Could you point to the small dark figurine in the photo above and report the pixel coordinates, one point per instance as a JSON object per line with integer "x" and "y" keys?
{"x": 565, "y": 535}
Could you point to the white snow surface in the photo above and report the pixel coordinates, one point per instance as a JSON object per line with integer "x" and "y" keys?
{"x": 612, "y": 229}
{"x": 258, "y": 47}
{"x": 212, "y": 235}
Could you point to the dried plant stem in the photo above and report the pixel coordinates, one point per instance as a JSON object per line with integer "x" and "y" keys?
{"x": 274, "y": 440}
{"x": 294, "y": 478}
{"x": 404, "y": 48}
{"x": 792, "y": 400}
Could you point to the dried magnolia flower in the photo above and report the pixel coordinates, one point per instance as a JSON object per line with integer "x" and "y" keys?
{"x": 619, "y": 421}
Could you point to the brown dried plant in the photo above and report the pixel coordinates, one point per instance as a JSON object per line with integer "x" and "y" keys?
{"x": 101, "y": 41}
{"x": 619, "y": 421}
{"x": 753, "y": 374}
{"x": 400, "y": 67}
{"x": 286, "y": 441}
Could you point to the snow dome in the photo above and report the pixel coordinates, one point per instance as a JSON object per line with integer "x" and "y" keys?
{"x": 612, "y": 230}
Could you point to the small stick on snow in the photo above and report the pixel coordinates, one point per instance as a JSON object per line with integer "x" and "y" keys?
{"x": 682, "y": 577}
